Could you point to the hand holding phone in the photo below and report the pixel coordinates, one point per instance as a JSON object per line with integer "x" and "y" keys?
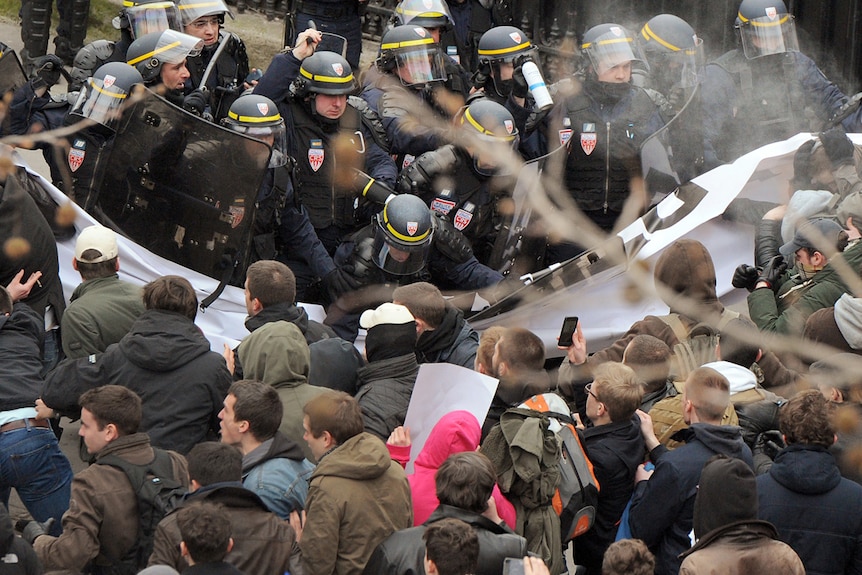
{"x": 570, "y": 324}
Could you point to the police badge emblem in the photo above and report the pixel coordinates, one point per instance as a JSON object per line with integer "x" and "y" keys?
{"x": 315, "y": 154}
{"x": 412, "y": 228}
{"x": 263, "y": 108}
{"x": 462, "y": 219}
{"x": 338, "y": 68}
{"x": 588, "y": 138}
{"x": 77, "y": 153}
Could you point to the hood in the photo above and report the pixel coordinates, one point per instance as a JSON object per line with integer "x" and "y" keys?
{"x": 686, "y": 269}
{"x": 163, "y": 341}
{"x": 361, "y": 457}
{"x": 808, "y": 469}
{"x": 726, "y": 439}
{"x": 276, "y": 354}
{"x": 848, "y": 317}
{"x": 228, "y": 493}
{"x": 7, "y": 533}
{"x": 740, "y": 378}
{"x": 726, "y": 493}
{"x": 431, "y": 343}
{"x": 455, "y": 432}
{"x": 278, "y": 446}
{"x": 279, "y": 312}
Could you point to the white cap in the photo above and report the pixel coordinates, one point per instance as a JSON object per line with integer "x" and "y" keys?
{"x": 389, "y": 313}
{"x": 97, "y": 238}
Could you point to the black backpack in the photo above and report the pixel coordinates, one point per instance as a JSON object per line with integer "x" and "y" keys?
{"x": 158, "y": 494}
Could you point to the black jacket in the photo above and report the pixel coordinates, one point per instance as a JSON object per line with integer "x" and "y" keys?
{"x": 18, "y": 558}
{"x": 816, "y": 511}
{"x": 453, "y": 341}
{"x": 402, "y": 553}
{"x": 21, "y": 335}
{"x": 385, "y": 388}
{"x": 167, "y": 361}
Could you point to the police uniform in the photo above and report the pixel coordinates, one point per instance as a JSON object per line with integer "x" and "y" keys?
{"x": 225, "y": 81}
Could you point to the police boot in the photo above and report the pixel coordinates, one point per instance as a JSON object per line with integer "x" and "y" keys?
{"x": 35, "y": 30}
{"x": 241, "y": 6}
{"x": 74, "y": 16}
{"x": 269, "y": 8}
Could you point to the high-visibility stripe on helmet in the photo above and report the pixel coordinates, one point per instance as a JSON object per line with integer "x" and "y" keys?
{"x": 399, "y": 235}
{"x": 481, "y": 129}
{"x": 650, "y": 35}
{"x": 322, "y": 78}
{"x": 779, "y": 22}
{"x": 143, "y": 57}
{"x": 407, "y": 43}
{"x": 523, "y": 46}
{"x": 253, "y": 119}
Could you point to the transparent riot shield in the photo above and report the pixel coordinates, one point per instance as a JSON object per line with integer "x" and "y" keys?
{"x": 182, "y": 187}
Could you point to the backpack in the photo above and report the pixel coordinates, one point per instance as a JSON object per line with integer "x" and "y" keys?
{"x": 697, "y": 345}
{"x": 577, "y": 494}
{"x": 158, "y": 494}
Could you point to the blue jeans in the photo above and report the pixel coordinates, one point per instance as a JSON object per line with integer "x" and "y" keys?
{"x": 32, "y": 463}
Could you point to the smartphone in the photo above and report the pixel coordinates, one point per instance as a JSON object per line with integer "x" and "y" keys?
{"x": 570, "y": 324}
{"x": 513, "y": 566}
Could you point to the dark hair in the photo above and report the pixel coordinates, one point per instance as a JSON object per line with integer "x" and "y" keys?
{"x": 487, "y": 342}
{"x": 271, "y": 282}
{"x": 91, "y": 271}
{"x": 205, "y": 529}
{"x": 650, "y": 359}
{"x": 259, "y": 405}
{"x": 6, "y": 302}
{"x": 735, "y": 344}
{"x": 521, "y": 350}
{"x": 807, "y": 418}
{"x": 335, "y": 412}
{"x": 424, "y": 301}
{"x": 114, "y": 404}
{"x": 466, "y": 480}
{"x": 171, "y": 293}
{"x": 213, "y": 462}
{"x": 709, "y": 393}
{"x": 453, "y": 546}
{"x": 618, "y": 389}
{"x": 628, "y": 557}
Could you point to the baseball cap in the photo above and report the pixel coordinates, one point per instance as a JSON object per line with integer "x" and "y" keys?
{"x": 387, "y": 313}
{"x": 813, "y": 234}
{"x": 97, "y": 238}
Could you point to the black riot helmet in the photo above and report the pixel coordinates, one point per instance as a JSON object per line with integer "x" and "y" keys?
{"x": 673, "y": 51}
{"x": 765, "y": 27}
{"x": 102, "y": 96}
{"x": 324, "y": 73}
{"x": 504, "y": 44}
{"x": 149, "y": 52}
{"x": 608, "y": 45}
{"x": 257, "y": 117}
{"x": 143, "y": 17}
{"x": 402, "y": 235}
{"x": 191, "y": 10}
{"x": 425, "y": 13}
{"x": 490, "y": 128}
{"x": 411, "y": 53}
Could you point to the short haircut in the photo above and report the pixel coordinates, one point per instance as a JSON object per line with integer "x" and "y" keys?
{"x": 171, "y": 293}
{"x": 807, "y": 418}
{"x": 709, "y": 393}
{"x": 628, "y": 557}
{"x": 487, "y": 342}
{"x": 466, "y": 480}
{"x": 205, "y": 529}
{"x": 735, "y": 343}
{"x": 453, "y": 546}
{"x": 521, "y": 350}
{"x": 271, "y": 282}
{"x": 619, "y": 390}
{"x": 650, "y": 358}
{"x": 114, "y": 404}
{"x": 91, "y": 271}
{"x": 259, "y": 405}
{"x": 423, "y": 300}
{"x": 213, "y": 462}
{"x": 6, "y": 302}
{"x": 335, "y": 412}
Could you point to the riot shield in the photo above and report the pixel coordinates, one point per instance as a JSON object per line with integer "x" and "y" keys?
{"x": 12, "y": 74}
{"x": 181, "y": 187}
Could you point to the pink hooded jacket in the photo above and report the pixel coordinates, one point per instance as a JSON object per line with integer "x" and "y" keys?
{"x": 456, "y": 432}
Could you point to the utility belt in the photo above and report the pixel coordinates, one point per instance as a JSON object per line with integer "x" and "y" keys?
{"x": 328, "y": 11}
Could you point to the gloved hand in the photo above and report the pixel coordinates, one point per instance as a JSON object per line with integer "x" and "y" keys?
{"x": 771, "y": 272}
{"x": 838, "y": 146}
{"x": 340, "y": 281}
{"x": 520, "y": 89}
{"x": 770, "y": 443}
{"x": 48, "y": 69}
{"x": 195, "y": 102}
{"x": 482, "y": 74}
{"x": 30, "y": 530}
{"x": 745, "y": 276}
{"x": 803, "y": 166}
{"x": 449, "y": 241}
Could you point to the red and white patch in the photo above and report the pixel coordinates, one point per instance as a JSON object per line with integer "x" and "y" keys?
{"x": 315, "y": 158}
{"x": 565, "y": 136}
{"x": 237, "y": 213}
{"x": 616, "y": 31}
{"x": 412, "y": 228}
{"x": 588, "y": 143}
{"x": 76, "y": 159}
{"x": 338, "y": 68}
{"x": 408, "y": 159}
{"x": 108, "y": 81}
{"x": 516, "y": 37}
{"x": 442, "y": 206}
{"x": 263, "y": 108}
{"x": 509, "y": 125}
{"x": 462, "y": 219}
{"x": 771, "y": 12}
{"x": 420, "y": 32}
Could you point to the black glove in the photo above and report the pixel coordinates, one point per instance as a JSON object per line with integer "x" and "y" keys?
{"x": 340, "y": 281}
{"x": 195, "y": 102}
{"x": 30, "y": 530}
{"x": 48, "y": 68}
{"x": 449, "y": 241}
{"x": 520, "y": 89}
{"x": 803, "y": 166}
{"x": 480, "y": 77}
{"x": 771, "y": 272}
{"x": 745, "y": 276}
{"x": 767, "y": 241}
{"x": 838, "y": 146}
{"x": 770, "y": 443}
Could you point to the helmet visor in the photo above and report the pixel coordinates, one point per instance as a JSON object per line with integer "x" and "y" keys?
{"x": 274, "y": 136}
{"x": 428, "y": 14}
{"x": 154, "y": 17}
{"x": 398, "y": 259}
{"x": 680, "y": 69}
{"x": 420, "y": 65}
{"x": 194, "y": 9}
{"x": 768, "y": 35}
{"x": 172, "y": 48}
{"x": 612, "y": 49}
{"x": 100, "y": 101}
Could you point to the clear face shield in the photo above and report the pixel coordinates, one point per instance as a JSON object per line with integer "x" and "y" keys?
{"x": 100, "y": 102}
{"x": 612, "y": 49}
{"x": 420, "y": 65}
{"x": 174, "y": 47}
{"x": 424, "y": 13}
{"x": 155, "y": 17}
{"x": 398, "y": 259}
{"x": 194, "y": 9}
{"x": 767, "y": 35}
{"x": 674, "y": 70}
{"x": 274, "y": 136}
{"x": 503, "y": 68}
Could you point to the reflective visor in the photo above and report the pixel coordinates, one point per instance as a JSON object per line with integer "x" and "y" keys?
{"x": 768, "y": 35}
{"x": 100, "y": 101}
{"x": 612, "y": 49}
{"x": 172, "y": 48}
{"x": 155, "y": 17}
{"x": 420, "y": 65}
{"x": 194, "y": 9}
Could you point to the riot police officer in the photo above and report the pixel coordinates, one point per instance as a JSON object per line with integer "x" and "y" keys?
{"x": 160, "y": 57}
{"x": 603, "y": 126}
{"x": 328, "y": 137}
{"x": 767, "y": 89}
{"x": 204, "y": 19}
{"x": 36, "y": 28}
